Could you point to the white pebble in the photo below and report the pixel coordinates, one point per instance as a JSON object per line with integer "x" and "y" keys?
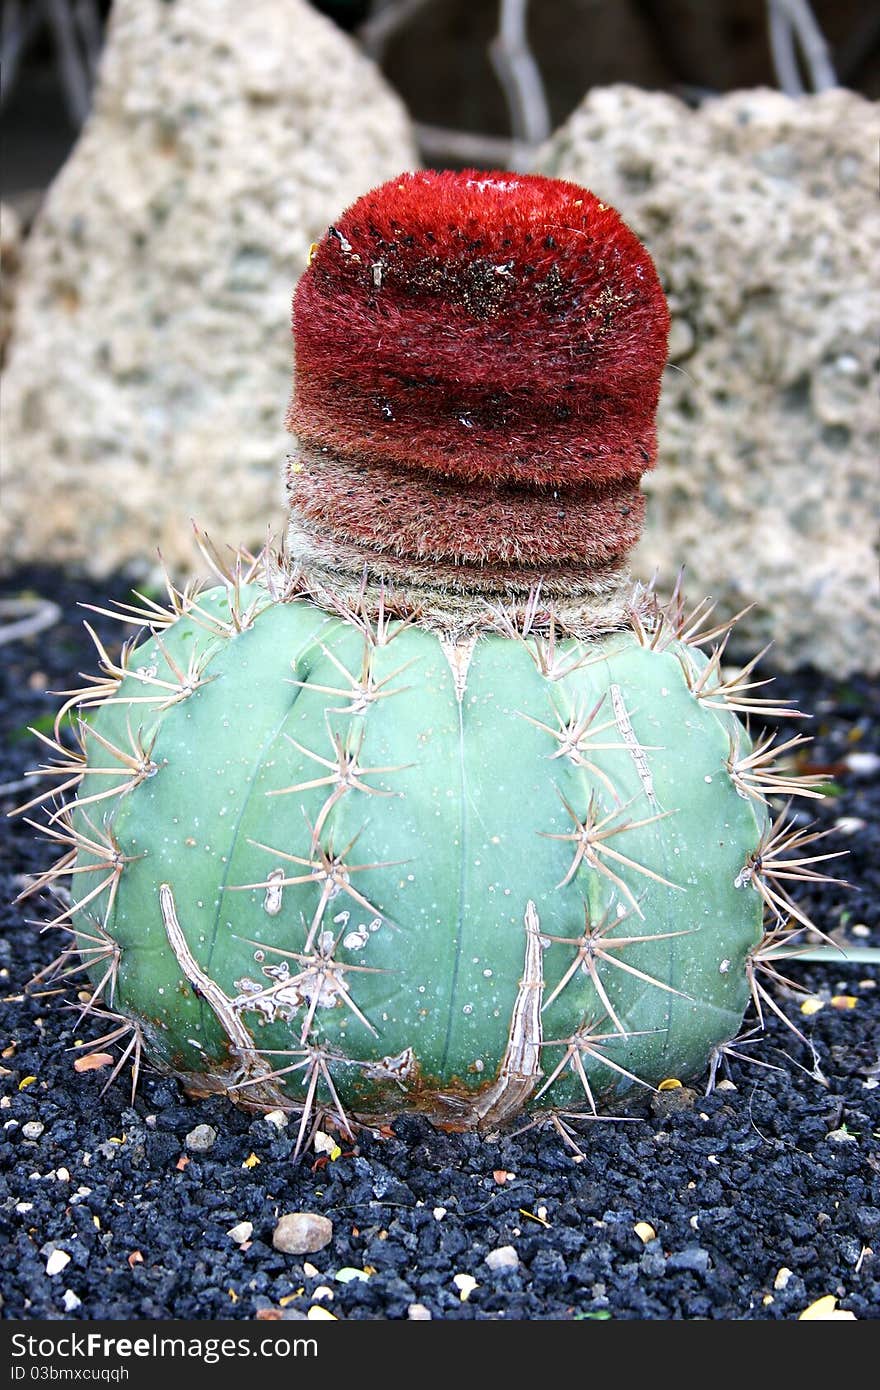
{"x": 863, "y": 764}
{"x": 417, "y": 1312}
{"x": 439, "y": 1213}
{"x": 70, "y": 1301}
{"x": 849, "y": 825}
{"x": 201, "y": 1139}
{"x": 277, "y": 1118}
{"x": 504, "y": 1257}
{"x": 33, "y": 1129}
{"x": 242, "y": 1232}
{"x": 841, "y": 1136}
{"x": 58, "y": 1260}
{"x": 465, "y": 1283}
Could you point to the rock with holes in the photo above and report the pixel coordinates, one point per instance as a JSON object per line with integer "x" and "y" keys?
{"x": 150, "y": 358}
{"x": 758, "y": 209}
{"x": 439, "y": 812}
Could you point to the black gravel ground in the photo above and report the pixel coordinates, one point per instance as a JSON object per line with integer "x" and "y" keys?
{"x": 765, "y": 1196}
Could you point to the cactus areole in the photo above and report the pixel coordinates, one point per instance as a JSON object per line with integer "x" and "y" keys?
{"x": 438, "y": 811}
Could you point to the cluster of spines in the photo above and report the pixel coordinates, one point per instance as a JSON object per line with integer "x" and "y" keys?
{"x": 92, "y": 950}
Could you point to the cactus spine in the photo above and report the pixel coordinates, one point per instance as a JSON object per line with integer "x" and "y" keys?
{"x": 437, "y": 811}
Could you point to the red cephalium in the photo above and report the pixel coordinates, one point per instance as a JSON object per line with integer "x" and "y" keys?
{"x": 478, "y": 367}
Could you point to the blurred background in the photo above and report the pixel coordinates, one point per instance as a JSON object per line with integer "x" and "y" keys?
{"x": 438, "y": 55}
{"x": 168, "y": 162}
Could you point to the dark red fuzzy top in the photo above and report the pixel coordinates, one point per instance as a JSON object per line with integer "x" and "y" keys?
{"x": 501, "y": 329}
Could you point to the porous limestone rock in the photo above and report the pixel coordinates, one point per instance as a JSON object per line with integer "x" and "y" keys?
{"x": 759, "y": 212}
{"x": 150, "y": 366}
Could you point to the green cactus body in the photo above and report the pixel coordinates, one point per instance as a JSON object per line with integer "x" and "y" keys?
{"x": 451, "y": 871}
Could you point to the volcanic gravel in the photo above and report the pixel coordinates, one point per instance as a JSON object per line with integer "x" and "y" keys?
{"x": 764, "y": 1196}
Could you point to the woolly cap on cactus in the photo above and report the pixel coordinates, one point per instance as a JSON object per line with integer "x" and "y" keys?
{"x": 478, "y": 364}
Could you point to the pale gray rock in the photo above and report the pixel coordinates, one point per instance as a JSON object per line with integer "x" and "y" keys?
{"x": 150, "y": 365}
{"x": 759, "y": 212}
{"x": 302, "y": 1233}
{"x": 201, "y": 1139}
{"x": 503, "y": 1257}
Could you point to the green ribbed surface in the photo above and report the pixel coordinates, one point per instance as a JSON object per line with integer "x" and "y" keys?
{"x": 456, "y": 846}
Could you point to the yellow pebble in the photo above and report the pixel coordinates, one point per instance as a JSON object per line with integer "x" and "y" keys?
{"x": 671, "y": 1083}
{"x": 812, "y": 1005}
{"x": 825, "y": 1309}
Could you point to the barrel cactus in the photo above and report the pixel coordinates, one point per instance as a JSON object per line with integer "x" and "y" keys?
{"x": 436, "y": 810}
